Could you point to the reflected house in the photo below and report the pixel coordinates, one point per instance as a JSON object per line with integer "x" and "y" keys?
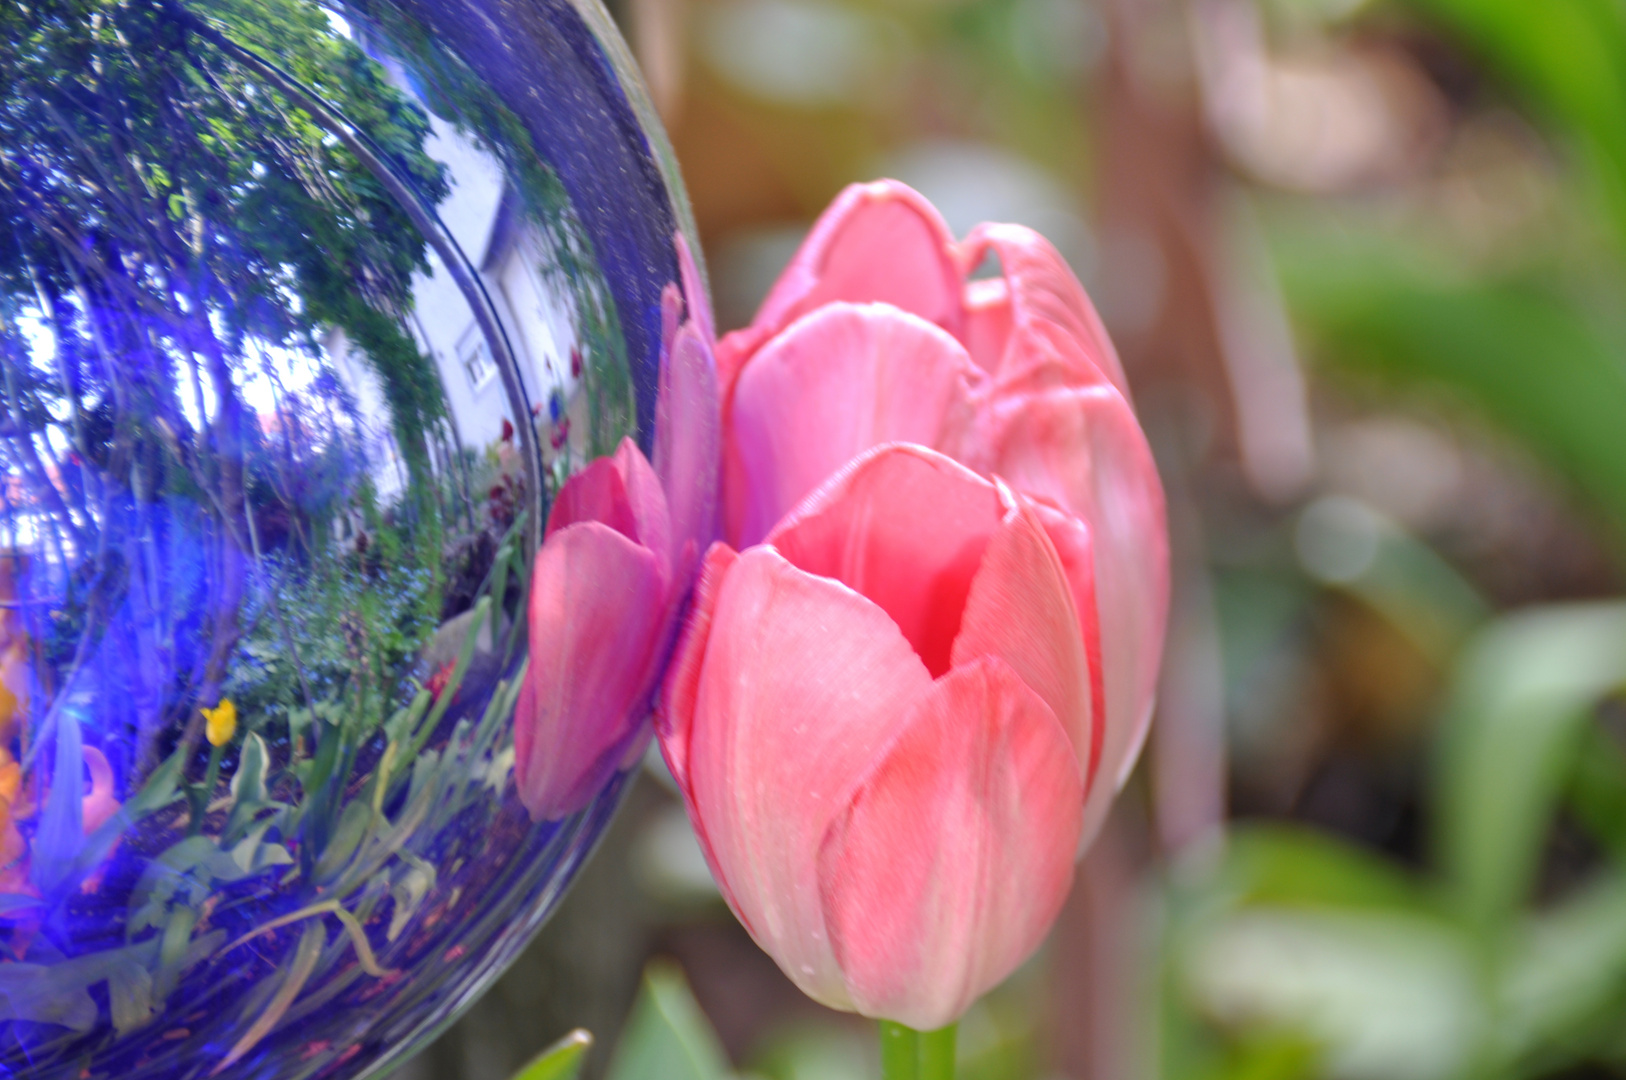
{"x": 486, "y": 218}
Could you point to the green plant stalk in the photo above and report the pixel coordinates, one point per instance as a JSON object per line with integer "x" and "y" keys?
{"x": 900, "y": 1052}
{"x": 907, "y": 1054}
{"x": 200, "y": 794}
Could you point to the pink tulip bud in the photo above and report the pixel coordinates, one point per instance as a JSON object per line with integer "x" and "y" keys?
{"x": 884, "y": 720}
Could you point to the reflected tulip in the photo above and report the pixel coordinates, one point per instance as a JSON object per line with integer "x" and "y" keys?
{"x": 598, "y": 605}
{"x": 616, "y": 562}
{"x": 877, "y": 332}
{"x": 882, "y": 720}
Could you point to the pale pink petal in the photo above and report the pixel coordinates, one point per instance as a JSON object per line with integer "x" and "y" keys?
{"x": 598, "y": 609}
{"x": 836, "y": 383}
{"x": 1082, "y": 449}
{"x": 948, "y": 866}
{"x": 907, "y": 528}
{"x": 1076, "y": 551}
{"x": 1052, "y": 319}
{"x": 880, "y": 241}
{"x": 688, "y": 435}
{"x": 1020, "y": 609}
{"x": 802, "y": 684}
{"x": 694, "y": 289}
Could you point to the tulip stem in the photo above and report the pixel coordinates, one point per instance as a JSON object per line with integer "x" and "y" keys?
{"x": 937, "y": 1054}
{"x": 900, "y": 1052}
{"x": 907, "y": 1054}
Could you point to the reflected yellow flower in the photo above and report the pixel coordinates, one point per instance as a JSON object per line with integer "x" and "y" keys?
{"x": 220, "y": 722}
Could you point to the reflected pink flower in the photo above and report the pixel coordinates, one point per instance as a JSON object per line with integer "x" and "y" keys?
{"x": 876, "y": 332}
{"x": 617, "y": 559}
{"x": 881, "y": 720}
{"x": 600, "y": 588}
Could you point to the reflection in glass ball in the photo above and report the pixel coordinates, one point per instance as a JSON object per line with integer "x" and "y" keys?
{"x": 357, "y": 421}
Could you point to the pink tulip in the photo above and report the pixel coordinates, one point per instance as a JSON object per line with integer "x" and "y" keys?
{"x": 875, "y": 333}
{"x": 882, "y": 720}
{"x": 620, "y": 551}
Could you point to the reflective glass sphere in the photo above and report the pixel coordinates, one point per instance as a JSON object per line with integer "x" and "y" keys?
{"x": 358, "y": 430}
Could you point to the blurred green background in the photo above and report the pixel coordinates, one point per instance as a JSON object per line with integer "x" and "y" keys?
{"x": 1364, "y": 263}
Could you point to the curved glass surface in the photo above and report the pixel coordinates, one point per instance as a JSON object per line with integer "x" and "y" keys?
{"x": 358, "y": 438}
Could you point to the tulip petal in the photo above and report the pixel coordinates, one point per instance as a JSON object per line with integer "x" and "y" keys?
{"x": 952, "y": 860}
{"x": 674, "y": 716}
{"x": 1020, "y": 609}
{"x": 880, "y": 241}
{"x": 1070, "y": 538}
{"x": 802, "y": 685}
{"x": 838, "y": 382}
{"x": 1050, "y": 315}
{"x": 598, "y": 609}
{"x": 695, "y": 298}
{"x": 988, "y": 323}
{"x": 1082, "y": 449}
{"x": 906, "y": 527}
{"x": 622, "y": 492}
{"x": 688, "y": 434}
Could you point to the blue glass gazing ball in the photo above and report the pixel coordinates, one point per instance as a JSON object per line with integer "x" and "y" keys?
{"x": 338, "y": 387}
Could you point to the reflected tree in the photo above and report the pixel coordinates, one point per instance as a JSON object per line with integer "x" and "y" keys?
{"x": 168, "y": 219}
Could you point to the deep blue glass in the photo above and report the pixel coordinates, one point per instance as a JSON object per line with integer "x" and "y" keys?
{"x": 352, "y": 487}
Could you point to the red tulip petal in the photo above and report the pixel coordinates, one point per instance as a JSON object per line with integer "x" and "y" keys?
{"x": 1051, "y": 315}
{"x": 840, "y": 381}
{"x": 598, "y": 607}
{"x": 1082, "y": 449}
{"x": 688, "y": 434}
{"x": 1020, "y": 609}
{"x": 906, "y": 527}
{"x": 802, "y": 684}
{"x": 877, "y": 242}
{"x": 952, "y": 860}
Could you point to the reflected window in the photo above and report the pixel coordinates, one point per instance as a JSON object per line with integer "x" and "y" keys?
{"x": 475, "y": 355}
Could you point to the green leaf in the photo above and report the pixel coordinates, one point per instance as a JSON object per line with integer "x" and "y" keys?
{"x": 1597, "y": 794}
{"x": 1387, "y": 996}
{"x": 1565, "y": 970}
{"x": 61, "y": 834}
{"x": 667, "y": 1036}
{"x": 561, "y": 1061}
{"x": 295, "y": 974}
{"x": 129, "y": 995}
{"x": 248, "y": 789}
{"x": 33, "y": 992}
{"x": 1569, "y": 58}
{"x": 408, "y": 891}
{"x": 1546, "y": 371}
{"x": 1292, "y": 865}
{"x": 353, "y": 825}
{"x": 1522, "y": 698}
